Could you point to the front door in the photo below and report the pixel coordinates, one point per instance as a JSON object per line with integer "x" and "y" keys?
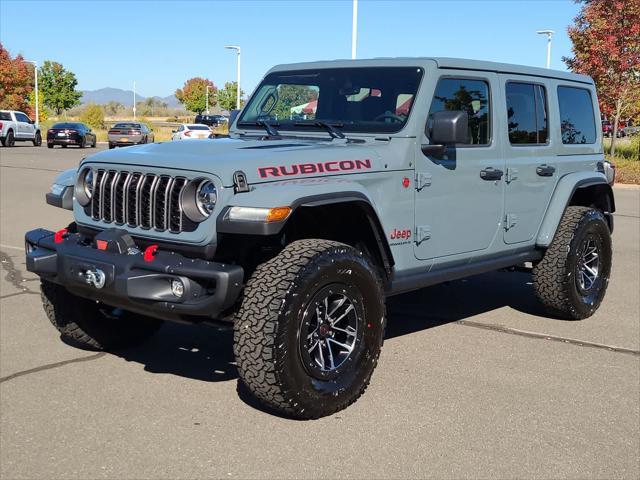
{"x": 459, "y": 195}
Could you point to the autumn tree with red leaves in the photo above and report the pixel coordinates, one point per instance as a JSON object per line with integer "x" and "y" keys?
{"x": 606, "y": 46}
{"x": 193, "y": 94}
{"x": 16, "y": 82}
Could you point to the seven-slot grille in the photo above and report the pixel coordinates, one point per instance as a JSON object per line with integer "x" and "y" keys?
{"x": 141, "y": 200}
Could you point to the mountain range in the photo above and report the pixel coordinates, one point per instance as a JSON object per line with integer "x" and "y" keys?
{"x": 125, "y": 97}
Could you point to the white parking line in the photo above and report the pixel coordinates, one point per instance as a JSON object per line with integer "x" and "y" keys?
{"x": 11, "y": 247}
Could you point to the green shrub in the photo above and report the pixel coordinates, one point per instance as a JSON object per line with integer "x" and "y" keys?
{"x": 93, "y": 115}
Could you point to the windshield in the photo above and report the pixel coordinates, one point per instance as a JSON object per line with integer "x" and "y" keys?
{"x": 66, "y": 125}
{"x": 363, "y": 99}
{"x": 197, "y": 127}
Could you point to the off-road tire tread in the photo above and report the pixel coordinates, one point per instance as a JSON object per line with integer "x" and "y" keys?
{"x": 550, "y": 279}
{"x": 264, "y": 296}
{"x": 63, "y": 310}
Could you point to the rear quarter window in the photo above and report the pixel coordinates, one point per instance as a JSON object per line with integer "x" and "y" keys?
{"x": 5, "y": 116}
{"x": 577, "y": 122}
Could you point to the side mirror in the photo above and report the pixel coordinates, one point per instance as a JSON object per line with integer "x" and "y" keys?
{"x": 448, "y": 127}
{"x": 173, "y": 131}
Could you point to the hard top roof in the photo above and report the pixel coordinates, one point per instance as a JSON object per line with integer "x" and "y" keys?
{"x": 440, "y": 62}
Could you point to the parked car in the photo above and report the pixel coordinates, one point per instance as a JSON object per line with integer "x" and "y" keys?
{"x": 211, "y": 120}
{"x": 630, "y": 131}
{"x": 192, "y": 132}
{"x": 71, "y": 133}
{"x": 294, "y": 232}
{"x": 607, "y": 129}
{"x": 125, "y": 134}
{"x": 17, "y": 127}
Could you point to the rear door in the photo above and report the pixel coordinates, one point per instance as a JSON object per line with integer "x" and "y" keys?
{"x": 458, "y": 209}
{"x": 531, "y": 162}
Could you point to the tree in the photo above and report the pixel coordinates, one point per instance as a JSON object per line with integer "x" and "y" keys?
{"x": 606, "y": 46}
{"x": 42, "y": 111}
{"x": 193, "y": 94}
{"x": 227, "y": 96}
{"x": 93, "y": 115}
{"x": 59, "y": 87}
{"x": 16, "y": 82}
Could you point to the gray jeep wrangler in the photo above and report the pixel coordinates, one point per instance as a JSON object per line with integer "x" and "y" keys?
{"x": 341, "y": 183}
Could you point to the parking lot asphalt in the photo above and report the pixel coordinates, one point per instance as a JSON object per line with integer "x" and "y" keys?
{"x": 474, "y": 381}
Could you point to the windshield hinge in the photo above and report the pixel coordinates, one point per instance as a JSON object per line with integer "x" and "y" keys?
{"x": 512, "y": 174}
{"x": 423, "y": 179}
{"x": 423, "y": 232}
{"x": 240, "y": 183}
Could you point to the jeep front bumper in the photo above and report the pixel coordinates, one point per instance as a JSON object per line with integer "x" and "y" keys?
{"x": 134, "y": 281}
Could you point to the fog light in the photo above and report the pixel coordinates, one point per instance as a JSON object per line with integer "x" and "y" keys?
{"x": 177, "y": 288}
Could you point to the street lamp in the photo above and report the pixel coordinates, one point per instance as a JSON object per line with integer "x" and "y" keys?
{"x": 35, "y": 70}
{"x": 207, "y": 97}
{"x": 354, "y": 29}
{"x": 549, "y": 34}
{"x": 237, "y": 49}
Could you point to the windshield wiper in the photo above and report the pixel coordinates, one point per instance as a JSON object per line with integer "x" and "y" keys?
{"x": 329, "y": 127}
{"x": 269, "y": 127}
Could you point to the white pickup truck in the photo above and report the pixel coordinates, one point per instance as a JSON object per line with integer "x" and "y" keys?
{"x": 17, "y": 127}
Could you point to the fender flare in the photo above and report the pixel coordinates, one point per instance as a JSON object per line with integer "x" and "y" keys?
{"x": 565, "y": 190}
{"x": 314, "y": 195}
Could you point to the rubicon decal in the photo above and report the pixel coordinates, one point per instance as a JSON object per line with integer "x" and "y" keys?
{"x": 400, "y": 234}
{"x": 311, "y": 168}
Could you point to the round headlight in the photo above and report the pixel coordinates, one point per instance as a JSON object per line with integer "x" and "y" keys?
{"x": 84, "y": 187}
{"x": 88, "y": 183}
{"x": 198, "y": 199}
{"x": 206, "y": 197}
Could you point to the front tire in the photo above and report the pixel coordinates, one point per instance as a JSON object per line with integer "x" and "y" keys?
{"x": 83, "y": 143}
{"x": 92, "y": 325}
{"x": 572, "y": 277}
{"x": 37, "y": 141}
{"x": 310, "y": 328}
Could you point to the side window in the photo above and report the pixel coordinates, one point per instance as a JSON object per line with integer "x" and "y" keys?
{"x": 467, "y": 95}
{"x": 180, "y": 128}
{"x": 577, "y": 124}
{"x": 526, "y": 113}
{"x": 21, "y": 117}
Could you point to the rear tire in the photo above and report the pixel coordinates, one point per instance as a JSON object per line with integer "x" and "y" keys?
{"x": 300, "y": 354}
{"x": 10, "y": 141}
{"x": 92, "y": 325}
{"x": 37, "y": 141}
{"x": 83, "y": 143}
{"x": 572, "y": 277}
{"x": 49, "y": 145}
{"x": 95, "y": 141}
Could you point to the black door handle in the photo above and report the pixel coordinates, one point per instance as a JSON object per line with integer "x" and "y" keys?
{"x": 491, "y": 173}
{"x": 545, "y": 170}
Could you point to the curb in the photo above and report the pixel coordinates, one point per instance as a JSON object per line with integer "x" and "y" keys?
{"x": 626, "y": 186}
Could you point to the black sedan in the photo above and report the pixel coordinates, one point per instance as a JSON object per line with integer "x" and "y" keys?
{"x": 71, "y": 133}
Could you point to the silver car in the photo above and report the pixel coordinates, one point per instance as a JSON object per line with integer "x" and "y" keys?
{"x": 129, "y": 133}
{"x": 188, "y": 131}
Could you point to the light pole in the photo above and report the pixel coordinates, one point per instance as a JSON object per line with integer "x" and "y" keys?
{"x": 237, "y": 49}
{"x": 134, "y": 99}
{"x": 549, "y": 34}
{"x": 354, "y": 29}
{"x": 207, "y": 98}
{"x": 35, "y": 70}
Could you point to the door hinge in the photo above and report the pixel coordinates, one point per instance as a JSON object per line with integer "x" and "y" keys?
{"x": 422, "y": 180}
{"x": 510, "y": 220}
{"x": 423, "y": 232}
{"x": 512, "y": 174}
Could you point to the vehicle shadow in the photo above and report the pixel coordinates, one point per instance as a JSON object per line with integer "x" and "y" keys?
{"x": 206, "y": 354}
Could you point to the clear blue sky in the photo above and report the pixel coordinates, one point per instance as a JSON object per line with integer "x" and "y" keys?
{"x": 162, "y": 43}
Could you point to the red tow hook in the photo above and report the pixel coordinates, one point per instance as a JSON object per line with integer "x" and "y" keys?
{"x": 150, "y": 253}
{"x": 60, "y": 235}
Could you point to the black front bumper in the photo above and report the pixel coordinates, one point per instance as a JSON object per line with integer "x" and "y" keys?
{"x": 133, "y": 283}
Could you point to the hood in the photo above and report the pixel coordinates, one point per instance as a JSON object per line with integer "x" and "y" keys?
{"x": 260, "y": 160}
